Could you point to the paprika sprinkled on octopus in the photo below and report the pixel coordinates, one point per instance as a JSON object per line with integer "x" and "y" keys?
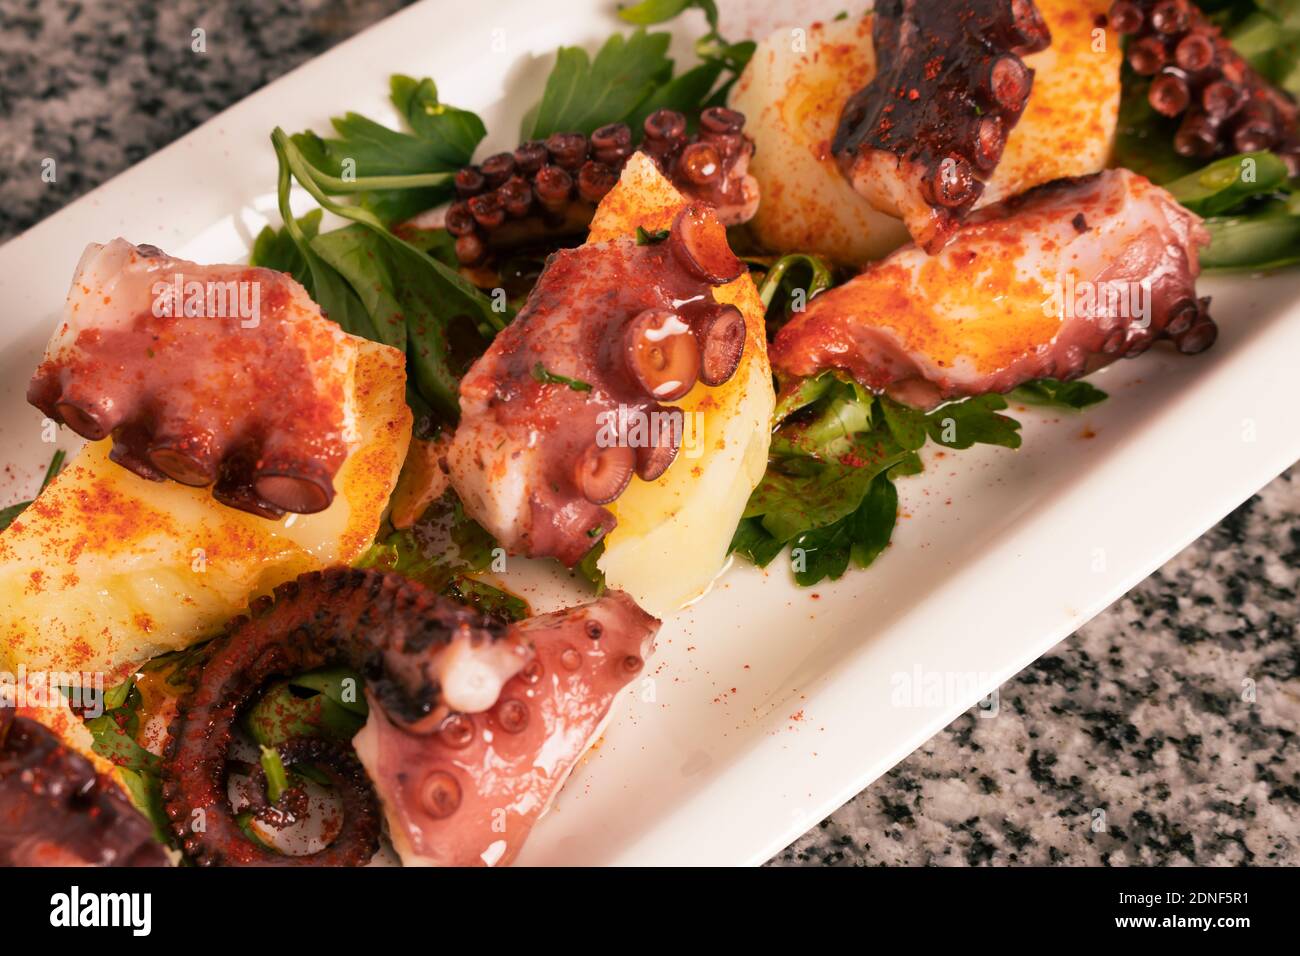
{"x": 1056, "y": 282}
{"x": 567, "y": 405}
{"x": 225, "y": 377}
{"x": 922, "y": 137}
{"x": 56, "y": 809}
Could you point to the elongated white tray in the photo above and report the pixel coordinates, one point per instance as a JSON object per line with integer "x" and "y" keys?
{"x": 766, "y": 706}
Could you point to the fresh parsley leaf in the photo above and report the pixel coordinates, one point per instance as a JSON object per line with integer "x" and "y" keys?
{"x": 542, "y": 375}
{"x": 309, "y": 705}
{"x": 410, "y": 299}
{"x": 843, "y": 410}
{"x": 872, "y": 525}
{"x": 488, "y": 599}
{"x": 396, "y": 174}
{"x": 712, "y": 48}
{"x": 828, "y": 493}
{"x": 687, "y": 93}
{"x": 789, "y": 284}
{"x": 588, "y": 567}
{"x": 583, "y": 94}
{"x": 907, "y": 424}
{"x": 973, "y": 421}
{"x": 113, "y": 737}
{"x": 753, "y": 542}
{"x": 649, "y": 12}
{"x": 801, "y": 394}
{"x": 1057, "y": 394}
{"x": 276, "y": 249}
{"x": 1264, "y": 237}
{"x": 800, "y": 494}
{"x": 443, "y": 543}
{"x": 455, "y": 132}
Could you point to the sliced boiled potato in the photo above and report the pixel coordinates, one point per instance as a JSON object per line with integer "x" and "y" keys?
{"x": 796, "y": 84}
{"x": 1068, "y": 127}
{"x": 105, "y": 569}
{"x": 791, "y": 94}
{"x": 673, "y": 534}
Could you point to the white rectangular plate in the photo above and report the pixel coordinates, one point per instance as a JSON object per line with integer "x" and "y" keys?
{"x": 766, "y": 706}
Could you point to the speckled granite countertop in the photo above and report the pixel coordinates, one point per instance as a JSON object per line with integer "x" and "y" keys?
{"x": 1135, "y": 741}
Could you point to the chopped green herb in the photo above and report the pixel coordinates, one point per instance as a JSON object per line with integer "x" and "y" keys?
{"x": 644, "y": 238}
{"x": 542, "y": 375}
{"x": 1226, "y": 183}
{"x": 375, "y": 284}
{"x": 277, "y": 779}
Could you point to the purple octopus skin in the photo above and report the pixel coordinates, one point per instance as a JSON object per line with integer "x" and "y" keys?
{"x": 546, "y": 189}
{"x": 1225, "y": 105}
{"x": 923, "y": 136}
{"x": 1056, "y": 282}
{"x": 56, "y": 809}
{"x": 420, "y": 654}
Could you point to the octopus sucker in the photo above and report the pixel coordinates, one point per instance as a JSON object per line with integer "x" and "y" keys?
{"x": 468, "y": 792}
{"x": 1084, "y": 271}
{"x": 1225, "y": 105}
{"x": 920, "y": 140}
{"x": 551, "y": 187}
{"x": 570, "y": 398}
{"x": 221, "y": 377}
{"x": 56, "y": 809}
{"x": 421, "y": 655}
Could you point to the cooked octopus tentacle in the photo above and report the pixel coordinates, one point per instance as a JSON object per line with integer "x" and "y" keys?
{"x": 421, "y": 655}
{"x": 553, "y": 186}
{"x": 1225, "y": 105}
{"x": 469, "y": 792}
{"x": 1056, "y": 283}
{"x": 225, "y": 377}
{"x": 923, "y": 136}
{"x": 568, "y": 403}
{"x": 57, "y": 810}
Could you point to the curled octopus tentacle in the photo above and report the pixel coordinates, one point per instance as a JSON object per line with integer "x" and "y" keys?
{"x": 1225, "y": 105}
{"x": 420, "y": 654}
{"x": 552, "y": 186}
{"x": 57, "y": 810}
{"x": 1083, "y": 272}
{"x": 923, "y": 136}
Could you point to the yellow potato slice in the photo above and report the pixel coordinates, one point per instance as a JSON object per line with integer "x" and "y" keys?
{"x": 105, "y": 569}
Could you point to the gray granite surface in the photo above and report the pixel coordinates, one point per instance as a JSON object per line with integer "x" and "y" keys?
{"x": 1163, "y": 732}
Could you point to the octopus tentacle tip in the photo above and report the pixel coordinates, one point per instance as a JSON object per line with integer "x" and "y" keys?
{"x": 906, "y": 141}
{"x": 175, "y": 388}
{"x": 1225, "y": 104}
{"x": 551, "y": 187}
{"x": 364, "y": 619}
